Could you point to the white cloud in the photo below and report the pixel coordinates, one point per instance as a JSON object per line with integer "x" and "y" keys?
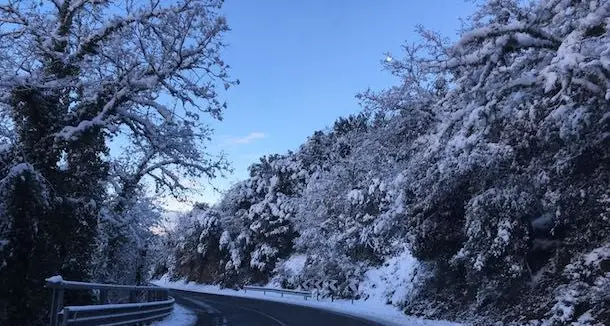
{"x": 246, "y": 139}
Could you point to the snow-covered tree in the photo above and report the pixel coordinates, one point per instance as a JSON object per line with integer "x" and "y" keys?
{"x": 25, "y": 251}
{"x": 197, "y": 251}
{"x": 523, "y": 123}
{"x": 77, "y": 75}
{"x": 124, "y": 252}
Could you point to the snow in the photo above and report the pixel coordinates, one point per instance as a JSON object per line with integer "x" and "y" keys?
{"x": 596, "y": 256}
{"x": 295, "y": 263}
{"x": 5, "y": 147}
{"x": 180, "y": 316}
{"x": 543, "y": 222}
{"x": 372, "y": 310}
{"x": 564, "y": 309}
{"x": 355, "y": 196}
{"x": 19, "y": 169}
{"x": 273, "y": 181}
{"x": 55, "y": 279}
{"x": 504, "y": 228}
{"x": 225, "y": 238}
{"x": 393, "y": 281}
{"x": 117, "y": 306}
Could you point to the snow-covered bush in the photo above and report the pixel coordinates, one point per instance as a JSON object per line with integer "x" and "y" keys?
{"x": 497, "y": 240}
{"x": 584, "y": 299}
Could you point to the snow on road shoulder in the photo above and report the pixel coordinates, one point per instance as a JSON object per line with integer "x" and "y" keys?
{"x": 371, "y": 310}
{"x": 180, "y": 316}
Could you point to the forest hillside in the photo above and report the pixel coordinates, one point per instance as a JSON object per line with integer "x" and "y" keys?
{"x": 485, "y": 169}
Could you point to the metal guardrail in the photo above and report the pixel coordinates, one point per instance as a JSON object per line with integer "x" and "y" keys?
{"x": 304, "y": 294}
{"x": 156, "y": 304}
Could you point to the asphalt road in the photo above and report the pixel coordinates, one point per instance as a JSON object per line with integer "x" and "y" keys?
{"x": 220, "y": 310}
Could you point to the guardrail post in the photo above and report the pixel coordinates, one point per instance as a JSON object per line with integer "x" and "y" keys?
{"x": 152, "y": 295}
{"x": 132, "y": 296}
{"x": 66, "y": 316}
{"x": 57, "y": 303}
{"x": 103, "y": 296}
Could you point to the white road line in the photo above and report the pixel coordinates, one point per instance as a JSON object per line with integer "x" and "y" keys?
{"x": 264, "y": 315}
{"x": 213, "y": 310}
{"x": 209, "y": 309}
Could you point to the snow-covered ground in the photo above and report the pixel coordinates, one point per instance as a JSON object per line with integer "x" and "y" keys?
{"x": 392, "y": 281}
{"x": 179, "y": 317}
{"x": 369, "y": 309}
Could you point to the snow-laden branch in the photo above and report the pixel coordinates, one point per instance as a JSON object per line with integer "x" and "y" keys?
{"x": 538, "y": 36}
{"x": 91, "y": 42}
{"x": 117, "y": 69}
{"x": 100, "y": 120}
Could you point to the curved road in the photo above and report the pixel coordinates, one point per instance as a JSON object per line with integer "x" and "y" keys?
{"x": 220, "y": 310}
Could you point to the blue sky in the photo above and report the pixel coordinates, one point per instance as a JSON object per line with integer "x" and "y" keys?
{"x": 300, "y": 64}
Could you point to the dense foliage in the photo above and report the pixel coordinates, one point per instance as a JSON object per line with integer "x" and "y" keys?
{"x": 490, "y": 160}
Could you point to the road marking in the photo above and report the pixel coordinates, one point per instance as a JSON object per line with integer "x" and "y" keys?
{"x": 327, "y": 310}
{"x": 263, "y": 314}
{"x": 209, "y": 309}
{"x": 212, "y": 310}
